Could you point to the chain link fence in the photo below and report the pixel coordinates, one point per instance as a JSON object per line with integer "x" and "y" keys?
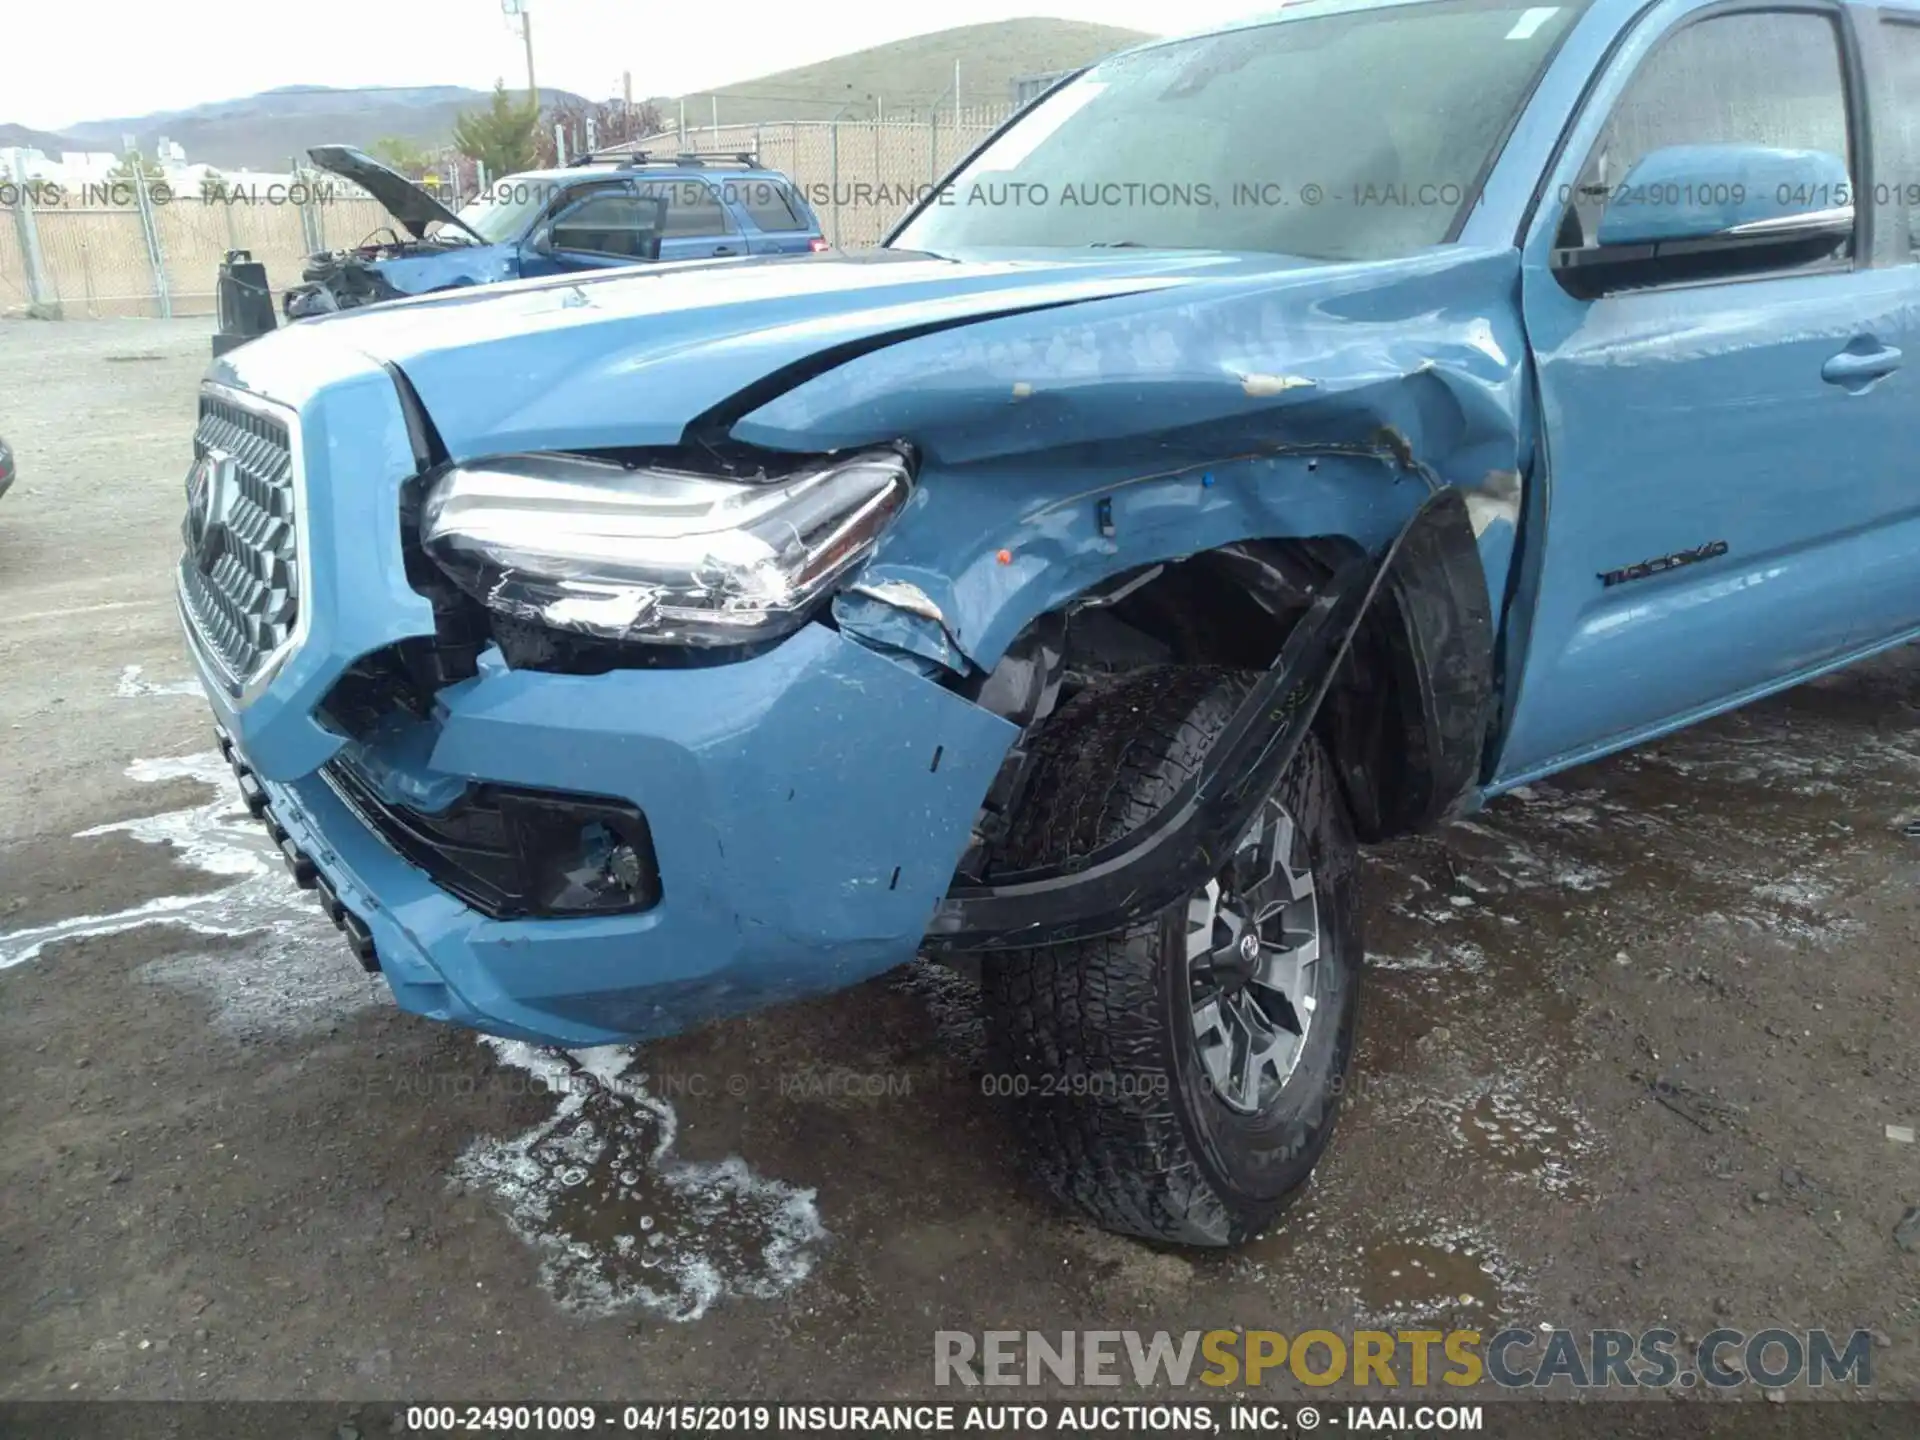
{"x": 158, "y": 254}
{"x": 860, "y": 176}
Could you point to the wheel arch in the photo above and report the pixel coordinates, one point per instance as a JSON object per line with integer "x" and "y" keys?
{"x": 1408, "y": 713}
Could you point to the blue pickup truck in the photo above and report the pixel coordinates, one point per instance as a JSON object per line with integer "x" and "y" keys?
{"x": 602, "y": 211}
{"x": 1270, "y": 442}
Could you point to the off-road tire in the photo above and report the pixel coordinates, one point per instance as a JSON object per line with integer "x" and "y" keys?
{"x": 1092, "y": 1043}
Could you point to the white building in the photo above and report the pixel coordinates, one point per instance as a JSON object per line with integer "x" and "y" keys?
{"x": 75, "y": 167}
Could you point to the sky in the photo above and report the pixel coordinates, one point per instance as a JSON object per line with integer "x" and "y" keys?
{"x": 180, "y": 53}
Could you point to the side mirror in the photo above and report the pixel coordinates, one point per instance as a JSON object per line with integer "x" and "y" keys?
{"x": 540, "y": 241}
{"x": 1707, "y": 192}
{"x": 1695, "y": 211}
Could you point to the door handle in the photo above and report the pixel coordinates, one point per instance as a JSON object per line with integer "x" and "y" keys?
{"x": 1855, "y": 370}
{"x": 728, "y": 250}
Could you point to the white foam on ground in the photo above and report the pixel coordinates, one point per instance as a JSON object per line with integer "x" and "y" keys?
{"x": 1459, "y": 957}
{"x": 133, "y": 687}
{"x": 618, "y": 1221}
{"x": 291, "y": 970}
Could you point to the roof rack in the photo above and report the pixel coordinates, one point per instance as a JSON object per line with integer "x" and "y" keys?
{"x": 695, "y": 159}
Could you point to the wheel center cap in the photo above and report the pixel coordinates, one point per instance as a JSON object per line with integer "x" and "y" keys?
{"x": 1250, "y": 947}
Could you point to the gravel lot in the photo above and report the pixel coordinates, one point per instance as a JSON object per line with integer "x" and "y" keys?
{"x": 1631, "y": 1047}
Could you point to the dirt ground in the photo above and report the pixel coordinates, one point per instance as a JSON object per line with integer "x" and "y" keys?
{"x": 1630, "y": 1048}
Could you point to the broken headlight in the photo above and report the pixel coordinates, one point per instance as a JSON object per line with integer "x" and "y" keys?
{"x": 657, "y": 555}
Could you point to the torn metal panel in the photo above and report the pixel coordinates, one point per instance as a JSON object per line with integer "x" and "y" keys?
{"x": 902, "y": 595}
{"x": 1063, "y": 448}
{"x": 896, "y": 615}
{"x": 1494, "y": 508}
{"x": 1495, "y": 500}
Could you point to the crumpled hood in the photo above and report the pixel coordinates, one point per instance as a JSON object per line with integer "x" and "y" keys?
{"x": 412, "y": 206}
{"x": 630, "y": 358}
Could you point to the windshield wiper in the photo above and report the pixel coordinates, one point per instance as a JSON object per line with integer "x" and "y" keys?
{"x": 1117, "y": 245}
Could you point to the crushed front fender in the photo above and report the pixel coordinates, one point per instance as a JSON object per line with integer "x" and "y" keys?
{"x": 1178, "y": 850}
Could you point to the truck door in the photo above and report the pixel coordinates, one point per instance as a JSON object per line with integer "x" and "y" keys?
{"x": 1887, "y": 582}
{"x": 1718, "y": 438}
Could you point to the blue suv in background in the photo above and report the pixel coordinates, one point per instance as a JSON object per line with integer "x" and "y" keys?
{"x": 602, "y": 211}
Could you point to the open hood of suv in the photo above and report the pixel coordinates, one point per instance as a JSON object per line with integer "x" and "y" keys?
{"x": 412, "y": 206}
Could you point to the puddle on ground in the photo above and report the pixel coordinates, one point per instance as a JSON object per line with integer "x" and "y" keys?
{"x": 1336, "y": 1259}
{"x": 1402, "y": 1280}
{"x": 281, "y": 966}
{"x": 618, "y": 1221}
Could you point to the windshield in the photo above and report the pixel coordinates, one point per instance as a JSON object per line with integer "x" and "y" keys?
{"x": 1349, "y": 132}
{"x": 502, "y": 211}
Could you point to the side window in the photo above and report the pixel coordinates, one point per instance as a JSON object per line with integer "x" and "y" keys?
{"x": 1754, "y": 78}
{"x": 1899, "y": 106}
{"x": 606, "y": 222}
{"x": 693, "y": 209}
{"x": 766, "y": 202}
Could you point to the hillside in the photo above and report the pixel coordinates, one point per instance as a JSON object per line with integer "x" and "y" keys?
{"x": 912, "y": 74}
{"x": 262, "y": 131}
{"x": 46, "y": 140}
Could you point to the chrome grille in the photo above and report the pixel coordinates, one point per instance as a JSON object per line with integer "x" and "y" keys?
{"x": 239, "y": 576}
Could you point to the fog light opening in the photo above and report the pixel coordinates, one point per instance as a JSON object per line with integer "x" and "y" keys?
{"x": 603, "y": 866}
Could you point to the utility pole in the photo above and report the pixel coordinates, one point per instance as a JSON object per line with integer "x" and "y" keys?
{"x": 526, "y": 33}
{"x": 523, "y": 9}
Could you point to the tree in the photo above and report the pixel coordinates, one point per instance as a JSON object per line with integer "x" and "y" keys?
{"x": 503, "y": 137}
{"x": 402, "y": 154}
{"x": 133, "y": 165}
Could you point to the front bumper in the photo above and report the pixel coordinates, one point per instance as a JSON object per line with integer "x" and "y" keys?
{"x": 807, "y": 808}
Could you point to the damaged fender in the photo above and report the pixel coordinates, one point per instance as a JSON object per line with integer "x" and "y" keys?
{"x": 1181, "y": 848}
{"x": 1063, "y": 447}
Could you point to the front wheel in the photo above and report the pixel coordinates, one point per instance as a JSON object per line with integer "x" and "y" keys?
{"x": 1178, "y": 1081}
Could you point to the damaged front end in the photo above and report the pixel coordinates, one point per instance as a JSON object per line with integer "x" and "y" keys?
{"x": 343, "y": 280}
{"x": 702, "y": 676}
{"x": 428, "y": 248}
